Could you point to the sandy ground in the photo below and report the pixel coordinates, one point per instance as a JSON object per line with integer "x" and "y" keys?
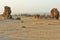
{"x": 34, "y": 29}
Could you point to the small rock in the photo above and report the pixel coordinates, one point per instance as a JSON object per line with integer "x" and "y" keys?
{"x": 23, "y": 26}
{"x": 18, "y": 18}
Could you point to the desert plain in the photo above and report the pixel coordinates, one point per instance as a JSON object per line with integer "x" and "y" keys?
{"x": 29, "y": 28}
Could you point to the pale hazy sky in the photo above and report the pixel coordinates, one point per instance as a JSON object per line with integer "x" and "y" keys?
{"x": 30, "y": 6}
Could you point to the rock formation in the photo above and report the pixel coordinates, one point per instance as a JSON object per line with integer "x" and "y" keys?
{"x": 55, "y": 13}
{"x": 7, "y": 13}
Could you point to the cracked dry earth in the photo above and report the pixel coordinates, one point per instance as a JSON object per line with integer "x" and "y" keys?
{"x": 34, "y": 29}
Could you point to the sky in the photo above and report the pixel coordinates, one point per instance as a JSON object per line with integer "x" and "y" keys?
{"x": 29, "y": 6}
